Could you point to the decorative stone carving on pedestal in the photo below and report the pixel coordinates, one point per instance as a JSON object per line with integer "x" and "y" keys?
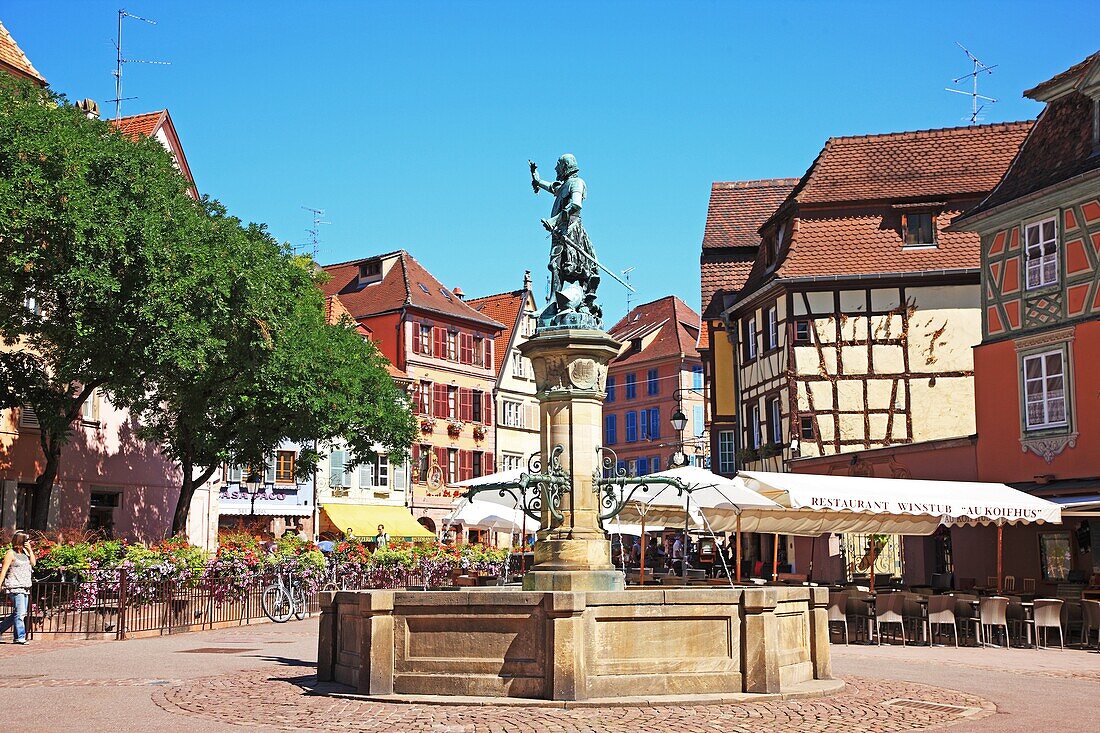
{"x": 570, "y": 365}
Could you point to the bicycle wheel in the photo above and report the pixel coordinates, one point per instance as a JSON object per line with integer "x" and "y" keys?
{"x": 277, "y": 603}
{"x": 301, "y": 602}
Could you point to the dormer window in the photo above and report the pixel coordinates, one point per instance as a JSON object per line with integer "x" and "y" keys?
{"x": 918, "y": 229}
{"x": 370, "y": 272}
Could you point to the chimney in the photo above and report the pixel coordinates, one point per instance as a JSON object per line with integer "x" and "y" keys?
{"x": 526, "y": 279}
{"x": 89, "y": 107}
{"x": 458, "y": 293}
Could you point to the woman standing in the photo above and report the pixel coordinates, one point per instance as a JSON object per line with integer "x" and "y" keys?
{"x": 15, "y": 578}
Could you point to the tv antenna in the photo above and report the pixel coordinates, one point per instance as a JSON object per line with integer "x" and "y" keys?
{"x": 315, "y": 230}
{"x": 979, "y": 69}
{"x": 122, "y": 60}
{"x": 629, "y": 290}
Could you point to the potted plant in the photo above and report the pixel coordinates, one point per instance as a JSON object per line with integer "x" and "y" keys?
{"x": 770, "y": 449}
{"x": 454, "y": 428}
{"x": 427, "y": 425}
{"x": 479, "y": 433}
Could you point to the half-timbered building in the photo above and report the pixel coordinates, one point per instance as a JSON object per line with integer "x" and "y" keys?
{"x": 856, "y": 323}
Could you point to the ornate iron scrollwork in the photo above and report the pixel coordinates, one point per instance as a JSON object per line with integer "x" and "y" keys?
{"x": 536, "y": 488}
{"x": 612, "y": 478}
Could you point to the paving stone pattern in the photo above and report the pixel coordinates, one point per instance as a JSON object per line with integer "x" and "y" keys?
{"x": 289, "y": 700}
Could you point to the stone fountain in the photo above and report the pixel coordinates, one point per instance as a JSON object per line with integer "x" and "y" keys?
{"x": 573, "y": 633}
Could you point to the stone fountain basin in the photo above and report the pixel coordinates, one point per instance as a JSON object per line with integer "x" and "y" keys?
{"x": 575, "y": 646}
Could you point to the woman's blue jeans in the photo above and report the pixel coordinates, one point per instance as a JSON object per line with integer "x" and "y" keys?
{"x": 19, "y": 601}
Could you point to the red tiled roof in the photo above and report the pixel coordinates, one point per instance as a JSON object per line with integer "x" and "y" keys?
{"x": 14, "y": 61}
{"x": 1059, "y": 146}
{"x": 952, "y": 161}
{"x": 738, "y": 208}
{"x": 1068, "y": 77}
{"x": 407, "y": 284}
{"x": 504, "y": 307}
{"x": 143, "y": 125}
{"x": 678, "y": 325}
{"x": 722, "y": 273}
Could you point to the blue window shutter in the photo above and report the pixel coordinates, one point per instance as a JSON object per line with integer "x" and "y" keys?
{"x": 644, "y": 427}
{"x": 641, "y": 467}
{"x": 620, "y": 467}
{"x": 611, "y": 429}
{"x": 610, "y": 389}
{"x": 652, "y": 385}
{"x": 631, "y": 426}
{"x": 697, "y": 420}
{"x": 654, "y": 422}
{"x": 697, "y": 376}
{"x": 656, "y": 462}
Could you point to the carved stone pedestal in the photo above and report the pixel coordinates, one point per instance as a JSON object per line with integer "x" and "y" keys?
{"x": 572, "y": 553}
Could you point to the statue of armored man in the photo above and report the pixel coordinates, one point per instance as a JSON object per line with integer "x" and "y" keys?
{"x": 574, "y": 270}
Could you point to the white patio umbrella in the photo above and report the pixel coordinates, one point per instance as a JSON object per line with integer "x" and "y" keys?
{"x": 708, "y": 495}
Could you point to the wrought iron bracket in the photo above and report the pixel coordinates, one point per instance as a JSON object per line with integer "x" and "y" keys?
{"x": 611, "y": 478}
{"x": 536, "y": 488}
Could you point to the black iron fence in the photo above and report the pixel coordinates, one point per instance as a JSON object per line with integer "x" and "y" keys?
{"x": 116, "y": 606}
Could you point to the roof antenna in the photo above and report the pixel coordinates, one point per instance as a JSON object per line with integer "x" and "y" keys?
{"x": 629, "y": 290}
{"x": 121, "y": 60}
{"x": 979, "y": 69}
{"x": 315, "y": 230}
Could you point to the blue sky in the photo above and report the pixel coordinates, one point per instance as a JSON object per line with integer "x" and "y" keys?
{"x": 411, "y": 123}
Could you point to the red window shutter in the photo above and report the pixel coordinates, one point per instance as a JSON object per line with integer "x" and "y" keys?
{"x": 440, "y": 342}
{"x": 464, "y": 408}
{"x": 439, "y": 409}
{"x": 414, "y": 460}
{"x": 488, "y": 361}
{"x": 487, "y": 463}
{"x": 467, "y": 351}
{"x": 466, "y": 463}
{"x": 487, "y": 409}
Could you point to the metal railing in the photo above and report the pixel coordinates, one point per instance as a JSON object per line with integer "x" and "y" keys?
{"x": 116, "y": 607}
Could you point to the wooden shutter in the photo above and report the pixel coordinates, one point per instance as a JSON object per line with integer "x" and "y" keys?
{"x": 487, "y": 362}
{"x": 440, "y": 342}
{"x": 465, "y": 465}
{"x": 487, "y": 408}
{"x": 441, "y": 459}
{"x": 465, "y": 404}
{"x": 487, "y": 465}
{"x": 439, "y": 400}
{"x": 466, "y": 348}
{"x": 414, "y": 463}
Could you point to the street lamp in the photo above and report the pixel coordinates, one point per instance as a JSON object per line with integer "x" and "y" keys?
{"x": 252, "y": 486}
{"x": 679, "y": 420}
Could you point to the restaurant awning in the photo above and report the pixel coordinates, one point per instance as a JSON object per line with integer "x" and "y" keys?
{"x": 666, "y": 505}
{"x": 490, "y": 515}
{"x": 817, "y": 503}
{"x": 363, "y": 520}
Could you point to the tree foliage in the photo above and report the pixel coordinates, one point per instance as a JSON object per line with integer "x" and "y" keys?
{"x": 84, "y": 213}
{"x": 212, "y": 332}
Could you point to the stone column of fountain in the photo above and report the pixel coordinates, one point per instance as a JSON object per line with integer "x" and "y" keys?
{"x": 570, "y": 374}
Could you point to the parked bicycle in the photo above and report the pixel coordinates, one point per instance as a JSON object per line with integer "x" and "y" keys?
{"x": 285, "y": 597}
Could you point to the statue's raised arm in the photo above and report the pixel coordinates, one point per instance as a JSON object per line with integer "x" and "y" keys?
{"x": 537, "y": 183}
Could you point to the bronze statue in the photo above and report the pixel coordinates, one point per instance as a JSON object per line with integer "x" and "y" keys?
{"x": 574, "y": 270}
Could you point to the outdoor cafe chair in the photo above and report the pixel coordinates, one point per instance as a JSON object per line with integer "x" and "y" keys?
{"x": 838, "y": 611}
{"x": 912, "y": 610}
{"x": 889, "y": 610}
{"x": 1090, "y": 622}
{"x": 991, "y": 581}
{"x": 862, "y": 612}
{"x": 991, "y": 615}
{"x": 1029, "y": 585}
{"x": 1010, "y": 583}
{"x": 1046, "y": 615}
{"x": 941, "y": 612}
{"x": 966, "y": 615}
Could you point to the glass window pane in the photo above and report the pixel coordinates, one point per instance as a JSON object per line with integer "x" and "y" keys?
{"x": 1056, "y": 410}
{"x": 1035, "y": 413}
{"x": 1054, "y": 364}
{"x": 1033, "y": 367}
{"x": 1048, "y": 230}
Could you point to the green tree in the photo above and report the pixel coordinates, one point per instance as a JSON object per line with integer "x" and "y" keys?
{"x": 84, "y": 214}
{"x": 244, "y": 359}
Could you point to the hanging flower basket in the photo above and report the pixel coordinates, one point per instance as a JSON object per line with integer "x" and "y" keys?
{"x": 479, "y": 433}
{"x": 454, "y": 429}
{"x": 427, "y": 425}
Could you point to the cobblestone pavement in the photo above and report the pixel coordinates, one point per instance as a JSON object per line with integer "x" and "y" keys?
{"x": 261, "y": 679}
{"x": 287, "y": 701}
